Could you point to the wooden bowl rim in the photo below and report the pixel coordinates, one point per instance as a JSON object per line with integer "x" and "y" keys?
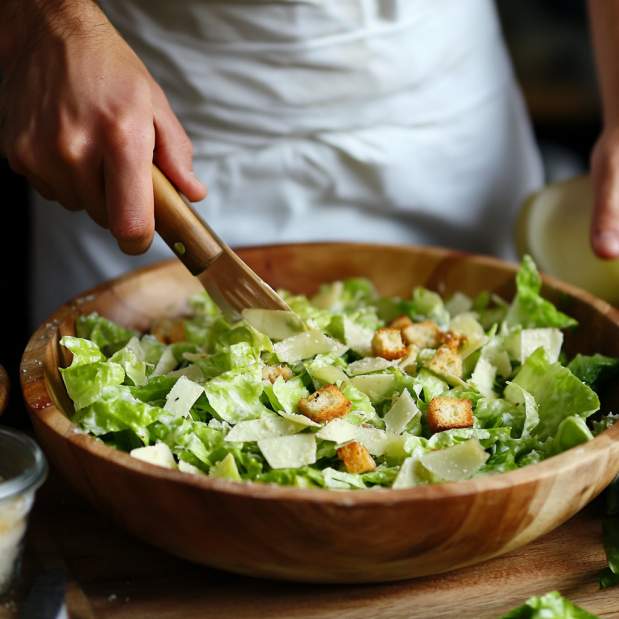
{"x": 5, "y": 389}
{"x": 33, "y": 366}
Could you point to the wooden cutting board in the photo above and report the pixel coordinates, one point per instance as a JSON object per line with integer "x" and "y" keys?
{"x": 112, "y": 575}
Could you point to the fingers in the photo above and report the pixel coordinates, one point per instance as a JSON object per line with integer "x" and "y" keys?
{"x": 129, "y": 186}
{"x": 173, "y": 149}
{"x": 605, "y": 181}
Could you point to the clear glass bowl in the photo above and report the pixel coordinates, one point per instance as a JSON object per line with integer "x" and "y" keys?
{"x": 22, "y": 470}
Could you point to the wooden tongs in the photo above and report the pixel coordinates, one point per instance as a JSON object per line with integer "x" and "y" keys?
{"x": 231, "y": 284}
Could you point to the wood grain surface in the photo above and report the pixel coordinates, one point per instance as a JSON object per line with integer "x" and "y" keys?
{"x": 5, "y": 389}
{"x": 311, "y": 535}
{"x": 112, "y": 575}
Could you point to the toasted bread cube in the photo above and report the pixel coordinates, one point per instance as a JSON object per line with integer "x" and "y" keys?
{"x": 446, "y": 361}
{"x": 169, "y": 330}
{"x": 387, "y": 343}
{"x": 453, "y": 340}
{"x": 356, "y": 458}
{"x": 425, "y": 334}
{"x": 449, "y": 413}
{"x": 272, "y": 372}
{"x": 401, "y": 322}
{"x": 325, "y": 404}
{"x": 177, "y": 332}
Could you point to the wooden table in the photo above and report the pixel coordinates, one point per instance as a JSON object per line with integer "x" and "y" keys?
{"x": 112, "y": 575}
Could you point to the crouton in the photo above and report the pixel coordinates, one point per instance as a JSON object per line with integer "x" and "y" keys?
{"x": 169, "y": 330}
{"x": 356, "y": 458}
{"x": 325, "y": 404}
{"x": 446, "y": 361}
{"x": 400, "y": 322}
{"x": 272, "y": 372}
{"x": 453, "y": 340}
{"x": 177, "y": 332}
{"x": 449, "y": 413}
{"x": 387, "y": 343}
{"x": 425, "y": 334}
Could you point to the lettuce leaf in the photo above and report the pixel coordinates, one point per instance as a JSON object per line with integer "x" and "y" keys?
{"x": 235, "y": 395}
{"x": 557, "y": 392}
{"x": 594, "y": 370}
{"x": 107, "y": 335}
{"x": 116, "y": 410}
{"x": 528, "y": 309}
{"x": 549, "y": 606}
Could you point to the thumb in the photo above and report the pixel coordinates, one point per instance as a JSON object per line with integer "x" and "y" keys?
{"x": 173, "y": 152}
{"x": 605, "y": 185}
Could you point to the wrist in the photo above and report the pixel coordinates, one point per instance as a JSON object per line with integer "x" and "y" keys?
{"x": 27, "y": 24}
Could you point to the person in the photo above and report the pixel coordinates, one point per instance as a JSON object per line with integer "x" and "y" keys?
{"x": 396, "y": 121}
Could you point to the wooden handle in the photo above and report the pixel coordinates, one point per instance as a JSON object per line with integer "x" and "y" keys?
{"x": 181, "y": 228}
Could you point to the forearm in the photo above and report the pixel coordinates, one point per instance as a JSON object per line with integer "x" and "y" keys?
{"x": 604, "y": 24}
{"x": 26, "y": 24}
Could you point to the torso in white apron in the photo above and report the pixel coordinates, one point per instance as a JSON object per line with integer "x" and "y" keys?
{"x": 394, "y": 121}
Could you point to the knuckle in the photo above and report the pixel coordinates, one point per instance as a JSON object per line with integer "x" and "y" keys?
{"x": 24, "y": 152}
{"x": 71, "y": 147}
{"x": 133, "y": 228}
{"x": 131, "y": 130}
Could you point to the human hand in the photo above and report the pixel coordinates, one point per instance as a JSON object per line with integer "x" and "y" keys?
{"x": 605, "y": 184}
{"x": 83, "y": 120}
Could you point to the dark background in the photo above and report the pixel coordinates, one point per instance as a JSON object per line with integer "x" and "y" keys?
{"x": 550, "y": 48}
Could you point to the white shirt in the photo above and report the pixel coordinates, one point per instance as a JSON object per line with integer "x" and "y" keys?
{"x": 393, "y": 121}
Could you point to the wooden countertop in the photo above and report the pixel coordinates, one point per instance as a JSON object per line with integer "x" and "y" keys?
{"x": 111, "y": 575}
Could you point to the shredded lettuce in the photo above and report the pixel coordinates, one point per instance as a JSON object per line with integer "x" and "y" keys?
{"x": 226, "y": 401}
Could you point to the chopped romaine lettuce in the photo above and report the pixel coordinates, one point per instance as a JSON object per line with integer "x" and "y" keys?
{"x": 225, "y": 403}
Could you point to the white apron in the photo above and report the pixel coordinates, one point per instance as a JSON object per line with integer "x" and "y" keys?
{"x": 391, "y": 121}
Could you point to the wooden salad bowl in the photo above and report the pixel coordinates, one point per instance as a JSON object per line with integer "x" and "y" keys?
{"x": 318, "y": 535}
{"x": 5, "y": 389}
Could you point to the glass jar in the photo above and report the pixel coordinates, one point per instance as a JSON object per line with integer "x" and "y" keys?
{"x": 22, "y": 470}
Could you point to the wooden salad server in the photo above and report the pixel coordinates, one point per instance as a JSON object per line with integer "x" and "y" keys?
{"x": 230, "y": 283}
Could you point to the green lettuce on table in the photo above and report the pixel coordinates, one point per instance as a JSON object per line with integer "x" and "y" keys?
{"x": 549, "y": 606}
{"x": 206, "y": 406}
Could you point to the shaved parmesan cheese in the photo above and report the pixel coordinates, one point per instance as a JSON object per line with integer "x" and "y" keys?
{"x": 307, "y": 345}
{"x": 338, "y": 431}
{"x": 226, "y": 469}
{"x": 409, "y": 475}
{"x": 483, "y": 377}
{"x": 166, "y": 363}
{"x": 468, "y": 325}
{"x": 258, "y": 429}
{"x": 458, "y": 304}
{"x": 358, "y": 338}
{"x": 192, "y": 372}
{"x": 302, "y": 419}
{"x": 159, "y": 455}
{"x": 329, "y": 375}
{"x": 182, "y": 397}
{"x": 185, "y": 467}
{"x": 374, "y": 440}
{"x": 367, "y": 365}
{"x": 328, "y": 297}
{"x": 502, "y": 364}
{"x": 401, "y": 413}
{"x": 531, "y": 339}
{"x": 277, "y": 324}
{"x": 286, "y": 452}
{"x": 374, "y": 385}
{"x": 456, "y": 463}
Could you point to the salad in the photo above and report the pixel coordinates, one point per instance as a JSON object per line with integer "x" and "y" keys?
{"x": 352, "y": 391}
